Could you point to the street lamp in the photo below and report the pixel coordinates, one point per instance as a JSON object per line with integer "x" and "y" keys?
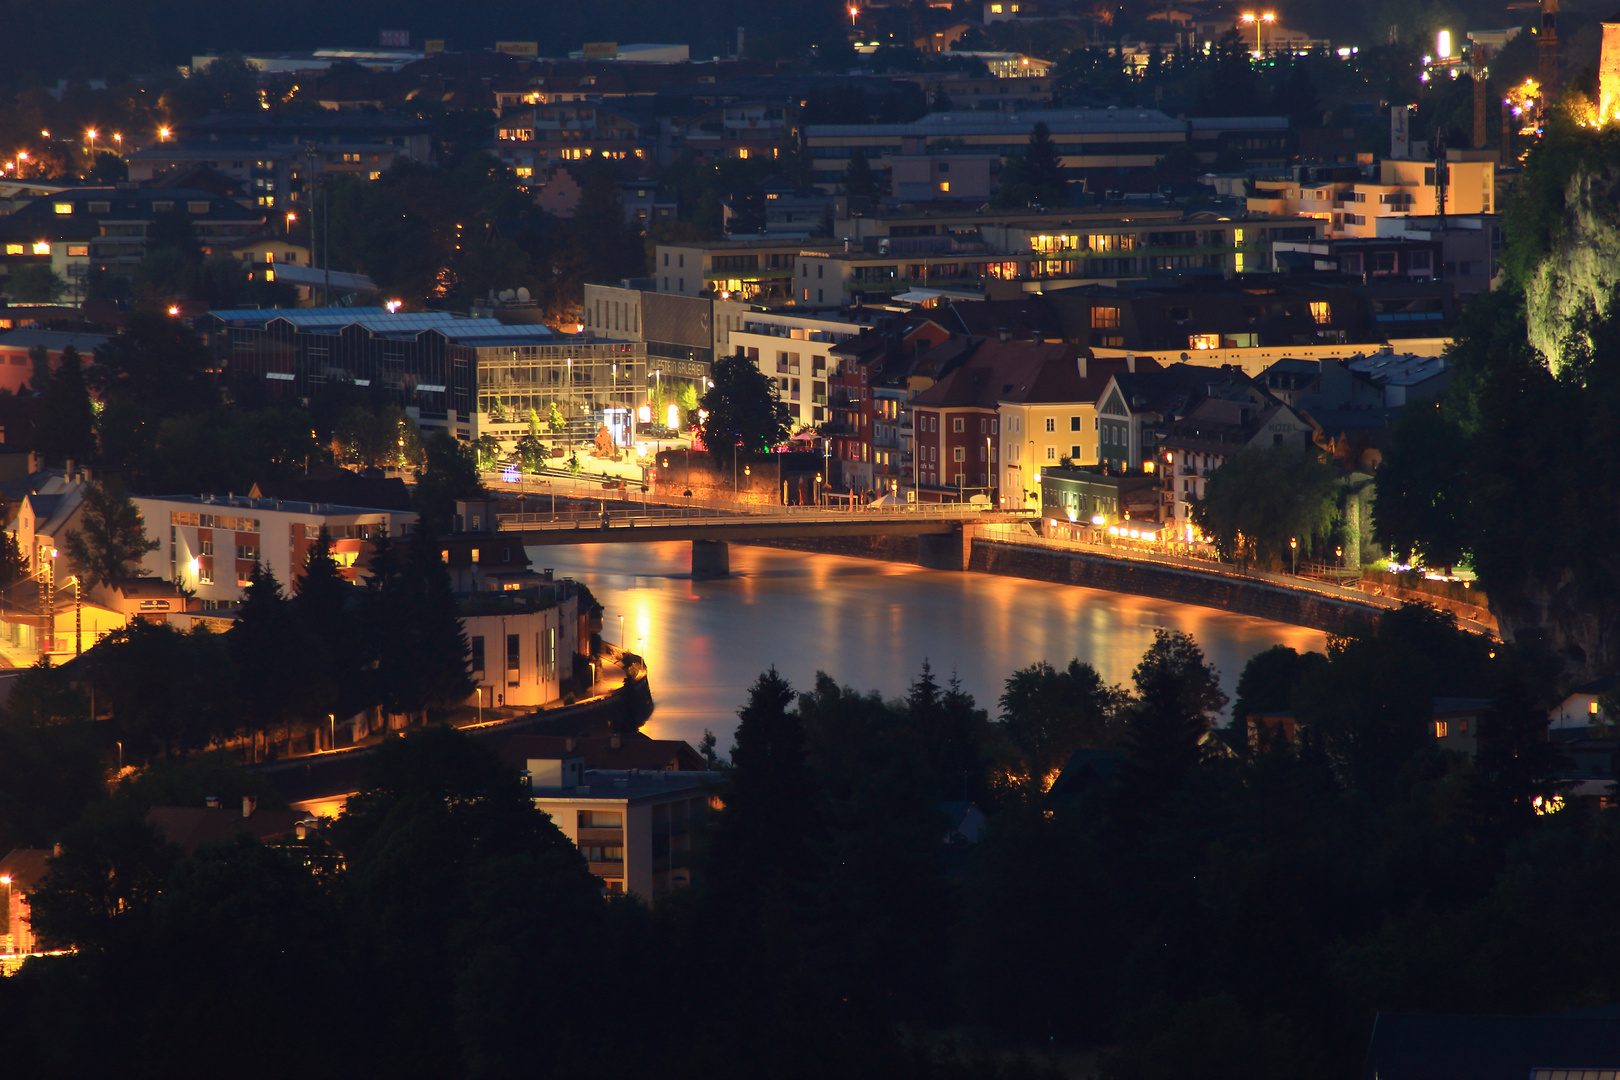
{"x": 1257, "y": 21}
{"x": 621, "y": 632}
{"x": 1293, "y": 552}
{"x": 90, "y": 134}
{"x": 163, "y": 134}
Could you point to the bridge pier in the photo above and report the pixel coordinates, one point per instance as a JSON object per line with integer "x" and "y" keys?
{"x": 711, "y": 559}
{"x": 946, "y": 551}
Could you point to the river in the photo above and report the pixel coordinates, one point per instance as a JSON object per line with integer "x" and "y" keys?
{"x": 869, "y": 625}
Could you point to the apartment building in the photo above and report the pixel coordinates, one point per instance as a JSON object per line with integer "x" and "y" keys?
{"x": 796, "y": 351}
{"x": 210, "y": 543}
{"x": 276, "y": 156}
{"x": 1464, "y": 183}
{"x": 1094, "y": 145}
{"x": 107, "y": 228}
{"x": 634, "y": 827}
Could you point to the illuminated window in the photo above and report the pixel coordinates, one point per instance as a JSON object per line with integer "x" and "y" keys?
{"x": 1319, "y": 312}
{"x": 14, "y": 249}
{"x": 944, "y": 187}
{"x": 995, "y": 9}
{"x": 1439, "y": 729}
{"x": 64, "y": 208}
{"x": 79, "y": 251}
{"x": 1105, "y": 318}
{"x": 376, "y": 175}
{"x": 1203, "y": 341}
{"x": 42, "y": 247}
{"x": 524, "y": 170}
{"x": 1592, "y": 707}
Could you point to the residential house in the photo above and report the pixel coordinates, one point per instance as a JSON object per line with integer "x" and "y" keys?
{"x": 83, "y": 229}
{"x": 1456, "y": 723}
{"x": 1049, "y": 414}
{"x": 1076, "y": 503}
{"x": 1583, "y": 706}
{"x": 1219, "y": 419}
{"x": 634, "y": 827}
{"x": 188, "y": 827}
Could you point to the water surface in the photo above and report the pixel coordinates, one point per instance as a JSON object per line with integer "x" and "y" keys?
{"x": 869, "y": 625}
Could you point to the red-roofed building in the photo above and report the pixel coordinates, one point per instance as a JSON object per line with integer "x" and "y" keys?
{"x": 188, "y": 826}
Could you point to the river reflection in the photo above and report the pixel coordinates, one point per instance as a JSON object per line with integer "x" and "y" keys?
{"x": 869, "y": 625}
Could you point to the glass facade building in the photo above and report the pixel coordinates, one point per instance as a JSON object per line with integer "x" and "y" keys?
{"x": 471, "y": 376}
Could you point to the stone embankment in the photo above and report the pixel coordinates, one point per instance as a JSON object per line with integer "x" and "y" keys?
{"x": 1302, "y": 605}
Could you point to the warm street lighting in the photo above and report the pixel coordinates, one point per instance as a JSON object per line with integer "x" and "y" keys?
{"x": 163, "y": 134}
{"x": 1250, "y": 18}
{"x": 621, "y": 631}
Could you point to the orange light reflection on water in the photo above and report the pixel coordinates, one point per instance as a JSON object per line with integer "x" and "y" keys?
{"x": 870, "y": 625}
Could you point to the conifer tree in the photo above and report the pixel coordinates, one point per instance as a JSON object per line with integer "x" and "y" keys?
{"x": 66, "y": 427}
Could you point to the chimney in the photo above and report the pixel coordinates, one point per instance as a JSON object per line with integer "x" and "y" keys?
{"x": 211, "y": 801}
{"x": 56, "y": 850}
{"x": 568, "y": 744}
{"x": 1130, "y": 363}
{"x": 614, "y": 742}
{"x": 1004, "y": 334}
{"x": 68, "y": 472}
{"x": 1080, "y": 362}
{"x": 250, "y": 803}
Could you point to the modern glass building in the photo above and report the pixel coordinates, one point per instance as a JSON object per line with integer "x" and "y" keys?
{"x": 471, "y": 376}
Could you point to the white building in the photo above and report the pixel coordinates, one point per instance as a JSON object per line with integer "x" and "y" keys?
{"x": 791, "y": 349}
{"x": 633, "y": 826}
{"x": 209, "y": 543}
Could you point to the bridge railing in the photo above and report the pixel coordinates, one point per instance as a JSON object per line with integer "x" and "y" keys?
{"x": 629, "y": 516}
{"x": 1354, "y": 590}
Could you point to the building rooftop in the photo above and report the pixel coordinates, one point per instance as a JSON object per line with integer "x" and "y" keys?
{"x": 610, "y": 752}
{"x": 1059, "y": 121}
{"x": 628, "y": 785}
{"x": 401, "y": 323}
{"x": 53, "y": 340}
{"x": 248, "y": 502}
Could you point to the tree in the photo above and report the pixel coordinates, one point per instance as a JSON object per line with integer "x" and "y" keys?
{"x": 111, "y": 539}
{"x": 860, "y": 180}
{"x": 153, "y": 369}
{"x": 98, "y": 893}
{"x": 1265, "y": 497}
{"x": 745, "y": 410}
{"x": 1049, "y": 714}
{"x": 39, "y": 372}
{"x": 450, "y": 473}
{"x": 331, "y": 660}
{"x": 1422, "y": 507}
{"x": 1178, "y": 698}
{"x": 420, "y": 646}
{"x": 11, "y": 559}
{"x": 1268, "y": 681}
{"x": 1043, "y": 169}
{"x": 66, "y": 427}
{"x": 35, "y": 284}
{"x": 263, "y": 645}
{"x": 762, "y": 837}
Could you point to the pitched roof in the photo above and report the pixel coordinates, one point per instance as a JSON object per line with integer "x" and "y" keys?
{"x": 632, "y": 752}
{"x": 188, "y": 826}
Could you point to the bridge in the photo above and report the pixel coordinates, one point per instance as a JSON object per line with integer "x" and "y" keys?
{"x": 944, "y": 531}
